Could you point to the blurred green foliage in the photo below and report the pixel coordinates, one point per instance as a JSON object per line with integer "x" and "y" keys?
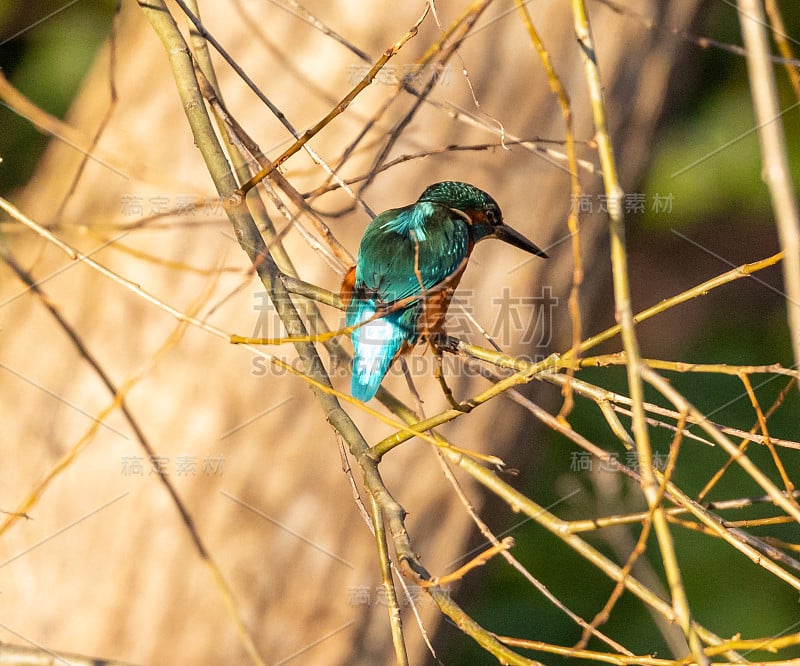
{"x": 46, "y": 49}
{"x": 708, "y": 154}
{"x": 710, "y": 160}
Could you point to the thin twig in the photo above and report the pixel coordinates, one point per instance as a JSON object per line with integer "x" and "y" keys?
{"x": 395, "y": 621}
{"x": 338, "y": 109}
{"x": 779, "y": 34}
{"x": 775, "y": 162}
{"x": 560, "y": 92}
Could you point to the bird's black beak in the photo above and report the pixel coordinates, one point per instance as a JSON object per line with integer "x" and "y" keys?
{"x": 508, "y": 235}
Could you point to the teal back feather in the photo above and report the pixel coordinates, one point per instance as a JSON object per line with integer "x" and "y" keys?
{"x": 426, "y": 241}
{"x": 424, "y": 238}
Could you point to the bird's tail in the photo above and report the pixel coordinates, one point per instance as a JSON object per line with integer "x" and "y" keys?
{"x": 375, "y": 345}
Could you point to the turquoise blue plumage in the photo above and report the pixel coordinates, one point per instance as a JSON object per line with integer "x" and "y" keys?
{"x": 409, "y": 263}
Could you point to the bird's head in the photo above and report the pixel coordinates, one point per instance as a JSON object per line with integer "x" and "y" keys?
{"x": 480, "y": 211}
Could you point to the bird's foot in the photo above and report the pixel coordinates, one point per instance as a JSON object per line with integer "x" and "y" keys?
{"x": 444, "y": 343}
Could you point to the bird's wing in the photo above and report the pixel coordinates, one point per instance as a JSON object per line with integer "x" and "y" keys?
{"x": 404, "y": 252}
{"x": 395, "y": 258}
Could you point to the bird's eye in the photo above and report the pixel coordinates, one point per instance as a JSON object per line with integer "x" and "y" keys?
{"x": 492, "y": 217}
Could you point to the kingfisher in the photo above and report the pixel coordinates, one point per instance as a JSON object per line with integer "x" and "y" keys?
{"x": 409, "y": 263}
